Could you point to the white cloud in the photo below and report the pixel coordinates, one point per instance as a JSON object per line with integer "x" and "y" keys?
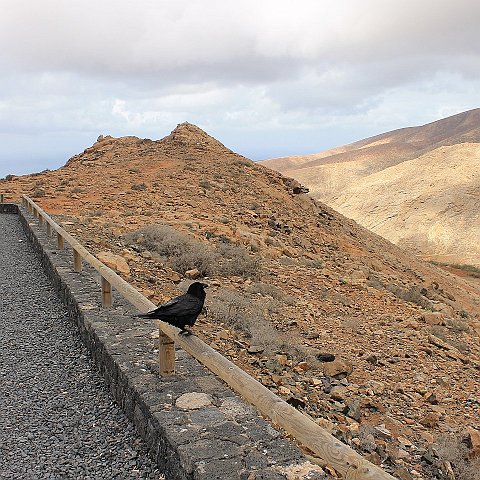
{"x": 274, "y": 67}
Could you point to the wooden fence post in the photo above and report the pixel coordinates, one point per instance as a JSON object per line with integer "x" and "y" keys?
{"x": 49, "y": 229}
{"x": 166, "y": 354}
{"x": 40, "y": 220}
{"x": 107, "y": 299}
{"x": 60, "y": 241}
{"x": 1, "y": 197}
{"x": 77, "y": 261}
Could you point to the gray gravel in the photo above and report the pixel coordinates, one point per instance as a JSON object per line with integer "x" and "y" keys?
{"x": 57, "y": 420}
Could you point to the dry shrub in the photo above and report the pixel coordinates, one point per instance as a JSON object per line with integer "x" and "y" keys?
{"x": 235, "y": 261}
{"x": 233, "y": 309}
{"x": 185, "y": 253}
{"x": 199, "y": 257}
{"x": 243, "y": 314}
{"x": 251, "y": 316}
{"x": 412, "y": 295}
{"x": 457, "y": 325}
{"x": 366, "y": 438}
{"x": 162, "y": 239}
{"x": 453, "y": 449}
{"x": 264, "y": 334}
{"x": 38, "y": 192}
{"x": 450, "y": 336}
{"x": 266, "y": 290}
{"x": 182, "y": 252}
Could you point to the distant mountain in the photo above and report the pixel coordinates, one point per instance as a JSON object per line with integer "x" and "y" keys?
{"x": 418, "y": 187}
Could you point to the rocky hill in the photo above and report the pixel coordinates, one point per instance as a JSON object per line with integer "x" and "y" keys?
{"x": 382, "y": 349}
{"x": 418, "y": 187}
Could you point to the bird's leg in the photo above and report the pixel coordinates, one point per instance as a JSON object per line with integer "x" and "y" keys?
{"x": 185, "y": 332}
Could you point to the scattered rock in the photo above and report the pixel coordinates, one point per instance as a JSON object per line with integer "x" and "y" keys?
{"x": 193, "y": 401}
{"x": 373, "y": 457}
{"x": 371, "y": 359}
{"x": 399, "y": 388}
{"x": 284, "y": 390}
{"x": 354, "y": 410}
{"x": 255, "y": 349}
{"x": 396, "y": 453}
{"x": 413, "y": 324}
{"x": 289, "y": 252}
{"x": 430, "y": 420}
{"x": 434, "y": 318}
{"x": 377, "y": 388}
{"x": 403, "y": 474}
{"x": 282, "y": 359}
{"x": 193, "y": 274}
{"x": 174, "y": 277}
{"x": 296, "y": 402}
{"x": 337, "y": 367}
{"x": 115, "y": 262}
{"x": 339, "y": 392}
{"x": 326, "y": 357}
{"x": 382, "y": 432}
{"x": 302, "y": 367}
{"x": 430, "y": 397}
{"x": 305, "y": 470}
{"x": 128, "y": 255}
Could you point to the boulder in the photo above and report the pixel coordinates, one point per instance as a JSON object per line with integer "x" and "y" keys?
{"x": 337, "y": 367}
{"x": 193, "y": 274}
{"x": 434, "y": 318}
{"x": 115, "y": 262}
{"x": 474, "y": 441}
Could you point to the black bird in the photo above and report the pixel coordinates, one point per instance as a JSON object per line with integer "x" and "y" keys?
{"x": 182, "y": 310}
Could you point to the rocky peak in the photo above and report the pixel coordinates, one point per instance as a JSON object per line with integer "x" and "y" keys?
{"x": 187, "y": 135}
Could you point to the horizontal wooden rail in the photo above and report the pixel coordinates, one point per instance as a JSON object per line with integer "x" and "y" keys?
{"x": 342, "y": 458}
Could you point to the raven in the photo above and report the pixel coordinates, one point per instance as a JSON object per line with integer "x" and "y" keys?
{"x": 182, "y": 310}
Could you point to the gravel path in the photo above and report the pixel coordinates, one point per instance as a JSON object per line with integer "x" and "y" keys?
{"x": 57, "y": 420}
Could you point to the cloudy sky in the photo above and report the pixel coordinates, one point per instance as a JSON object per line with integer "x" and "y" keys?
{"x": 266, "y": 77}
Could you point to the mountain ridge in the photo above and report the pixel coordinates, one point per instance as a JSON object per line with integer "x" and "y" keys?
{"x": 341, "y": 175}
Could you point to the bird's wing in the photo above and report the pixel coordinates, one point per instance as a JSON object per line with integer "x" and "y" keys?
{"x": 183, "y": 305}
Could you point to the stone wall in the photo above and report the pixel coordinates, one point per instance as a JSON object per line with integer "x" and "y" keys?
{"x": 8, "y": 208}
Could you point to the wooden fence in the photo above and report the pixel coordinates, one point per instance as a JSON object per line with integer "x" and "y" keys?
{"x": 341, "y": 457}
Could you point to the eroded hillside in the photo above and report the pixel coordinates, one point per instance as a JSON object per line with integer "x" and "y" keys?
{"x": 308, "y": 285}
